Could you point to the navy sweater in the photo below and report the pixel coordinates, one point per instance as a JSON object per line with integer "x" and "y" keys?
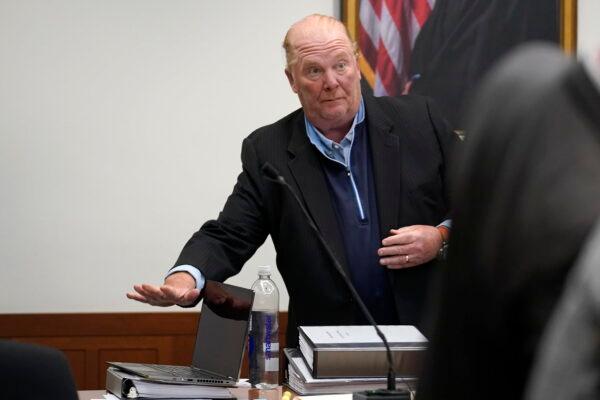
{"x": 361, "y": 236}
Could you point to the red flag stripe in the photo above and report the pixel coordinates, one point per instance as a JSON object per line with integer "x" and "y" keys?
{"x": 388, "y": 76}
{"x": 421, "y": 10}
{"x": 368, "y": 50}
{"x": 386, "y": 33}
{"x": 368, "y": 32}
{"x": 394, "y": 8}
{"x": 376, "y": 4}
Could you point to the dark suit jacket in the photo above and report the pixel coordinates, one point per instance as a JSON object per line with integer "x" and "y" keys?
{"x": 410, "y": 147}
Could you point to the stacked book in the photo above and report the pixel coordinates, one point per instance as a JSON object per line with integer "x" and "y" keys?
{"x": 342, "y": 359}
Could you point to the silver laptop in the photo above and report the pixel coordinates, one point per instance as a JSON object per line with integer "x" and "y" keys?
{"x": 220, "y": 342}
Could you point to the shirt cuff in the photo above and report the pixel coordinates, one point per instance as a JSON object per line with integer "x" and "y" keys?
{"x": 193, "y": 271}
{"x": 446, "y": 224}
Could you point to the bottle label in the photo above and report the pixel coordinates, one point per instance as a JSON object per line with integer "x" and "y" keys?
{"x": 272, "y": 364}
{"x": 271, "y": 347}
{"x": 263, "y": 348}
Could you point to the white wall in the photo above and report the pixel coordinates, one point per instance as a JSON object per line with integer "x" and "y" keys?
{"x": 588, "y": 27}
{"x": 120, "y": 130}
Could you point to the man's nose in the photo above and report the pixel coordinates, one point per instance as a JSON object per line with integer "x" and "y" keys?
{"x": 330, "y": 79}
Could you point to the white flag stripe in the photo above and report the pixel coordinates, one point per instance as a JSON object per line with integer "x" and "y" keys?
{"x": 379, "y": 89}
{"x": 369, "y": 21}
{"x": 391, "y": 39}
{"x": 384, "y": 31}
{"x": 414, "y": 29}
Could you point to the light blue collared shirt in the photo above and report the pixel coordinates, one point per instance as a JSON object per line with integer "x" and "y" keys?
{"x": 339, "y": 152}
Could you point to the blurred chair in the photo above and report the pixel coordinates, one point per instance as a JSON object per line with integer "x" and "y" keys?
{"x": 31, "y": 372}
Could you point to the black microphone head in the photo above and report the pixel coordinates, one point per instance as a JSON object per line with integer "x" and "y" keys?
{"x": 270, "y": 171}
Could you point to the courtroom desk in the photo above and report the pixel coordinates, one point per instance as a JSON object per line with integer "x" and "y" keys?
{"x": 90, "y": 394}
{"x": 240, "y": 393}
{"x": 89, "y": 340}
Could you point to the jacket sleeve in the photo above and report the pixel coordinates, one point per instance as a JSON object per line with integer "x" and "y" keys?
{"x": 449, "y": 143}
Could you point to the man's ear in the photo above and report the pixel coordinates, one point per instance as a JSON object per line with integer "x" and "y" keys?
{"x": 291, "y": 80}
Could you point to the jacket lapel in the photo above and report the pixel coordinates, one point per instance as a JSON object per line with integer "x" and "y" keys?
{"x": 387, "y": 165}
{"x": 312, "y": 186}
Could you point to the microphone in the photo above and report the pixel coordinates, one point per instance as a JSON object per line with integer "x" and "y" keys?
{"x": 390, "y": 393}
{"x": 270, "y": 172}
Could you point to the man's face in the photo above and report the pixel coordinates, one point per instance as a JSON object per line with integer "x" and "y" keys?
{"x": 326, "y": 78}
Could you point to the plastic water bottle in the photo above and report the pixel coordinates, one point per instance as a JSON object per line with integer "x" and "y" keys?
{"x": 263, "y": 340}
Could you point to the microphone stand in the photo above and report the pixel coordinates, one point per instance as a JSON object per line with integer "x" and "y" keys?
{"x": 391, "y": 393}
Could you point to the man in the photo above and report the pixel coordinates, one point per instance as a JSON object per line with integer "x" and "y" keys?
{"x": 371, "y": 172}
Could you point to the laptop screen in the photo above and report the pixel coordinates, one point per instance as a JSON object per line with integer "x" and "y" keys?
{"x": 223, "y": 329}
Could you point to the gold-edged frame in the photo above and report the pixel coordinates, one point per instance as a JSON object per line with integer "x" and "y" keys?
{"x": 568, "y": 22}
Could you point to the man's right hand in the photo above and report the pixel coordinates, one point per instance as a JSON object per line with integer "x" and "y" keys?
{"x": 179, "y": 288}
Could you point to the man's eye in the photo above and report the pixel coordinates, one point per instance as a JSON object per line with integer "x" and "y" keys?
{"x": 314, "y": 71}
{"x": 341, "y": 66}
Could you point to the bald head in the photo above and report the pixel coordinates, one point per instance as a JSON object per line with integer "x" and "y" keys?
{"x": 315, "y": 28}
{"x": 322, "y": 69}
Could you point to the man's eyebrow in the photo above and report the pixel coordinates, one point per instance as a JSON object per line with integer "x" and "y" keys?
{"x": 341, "y": 53}
{"x": 309, "y": 63}
{"x": 335, "y": 54}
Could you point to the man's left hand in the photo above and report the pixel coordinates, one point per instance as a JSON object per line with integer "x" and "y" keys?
{"x": 410, "y": 246}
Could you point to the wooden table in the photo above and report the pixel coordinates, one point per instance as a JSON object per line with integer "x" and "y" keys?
{"x": 240, "y": 393}
{"x": 90, "y": 394}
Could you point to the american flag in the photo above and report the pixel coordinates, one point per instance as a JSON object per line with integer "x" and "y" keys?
{"x": 387, "y": 30}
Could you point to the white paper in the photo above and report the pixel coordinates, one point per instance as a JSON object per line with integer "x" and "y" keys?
{"x": 363, "y": 334}
{"x": 347, "y": 396}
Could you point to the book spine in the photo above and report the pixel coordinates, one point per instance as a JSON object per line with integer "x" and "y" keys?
{"x": 366, "y": 363}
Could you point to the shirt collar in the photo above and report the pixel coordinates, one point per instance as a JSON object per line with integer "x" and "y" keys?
{"x": 326, "y": 146}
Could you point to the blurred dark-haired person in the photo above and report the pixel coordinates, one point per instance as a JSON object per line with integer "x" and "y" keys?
{"x": 568, "y": 359}
{"x": 527, "y": 193}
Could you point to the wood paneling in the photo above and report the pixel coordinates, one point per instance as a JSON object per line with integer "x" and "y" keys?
{"x": 90, "y": 340}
